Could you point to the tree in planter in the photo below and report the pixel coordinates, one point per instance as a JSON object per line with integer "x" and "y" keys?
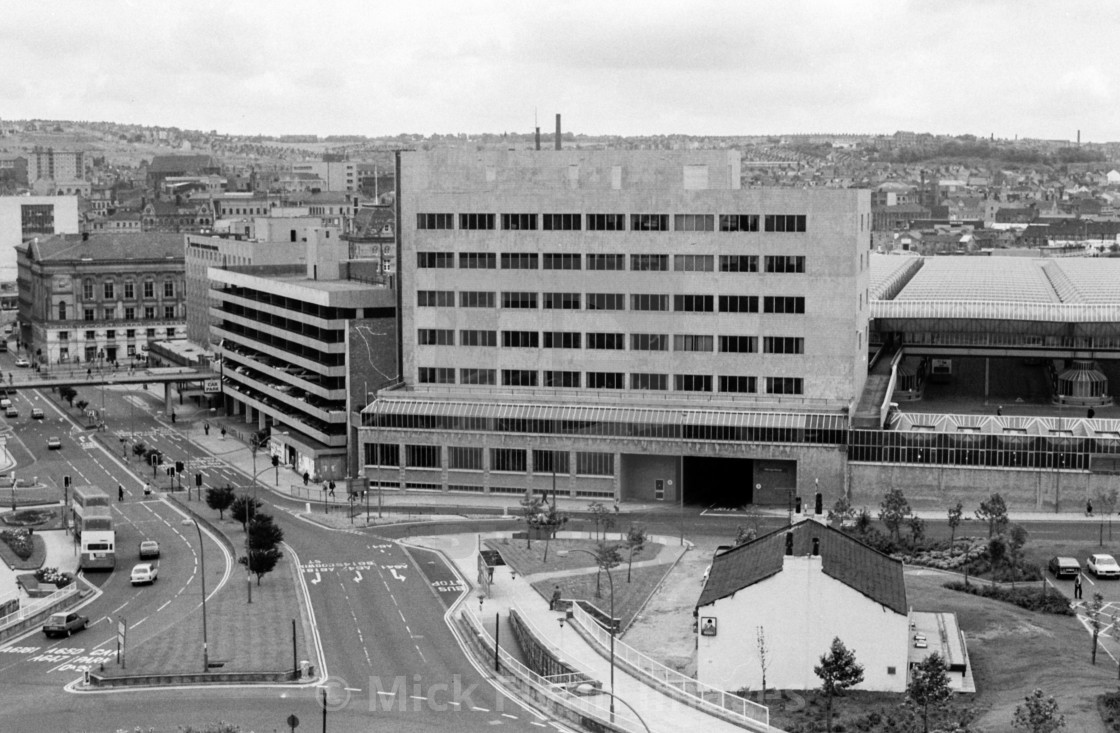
{"x": 607, "y": 556}
{"x": 219, "y": 499}
{"x": 636, "y": 539}
{"x": 243, "y": 507}
{"x": 1038, "y": 714}
{"x": 893, "y": 511}
{"x": 743, "y": 535}
{"x": 929, "y": 687}
{"x": 263, "y": 532}
{"x": 261, "y": 562}
{"x": 838, "y": 671}
{"x": 1106, "y": 505}
{"x": 68, "y": 394}
{"x": 139, "y": 449}
{"x": 81, "y": 405}
{"x": 993, "y": 510}
{"x": 956, "y": 514}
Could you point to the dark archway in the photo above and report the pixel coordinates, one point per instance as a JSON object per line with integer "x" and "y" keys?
{"x": 720, "y": 482}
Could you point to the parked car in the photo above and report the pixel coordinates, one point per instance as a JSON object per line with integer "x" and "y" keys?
{"x": 1064, "y": 567}
{"x": 64, "y": 624}
{"x": 149, "y": 550}
{"x": 1103, "y": 566}
{"x": 54, "y": 443}
{"x": 144, "y": 572}
{"x": 36, "y": 413}
{"x": 22, "y": 363}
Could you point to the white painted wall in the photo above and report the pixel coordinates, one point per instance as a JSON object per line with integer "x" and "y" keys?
{"x": 801, "y": 610}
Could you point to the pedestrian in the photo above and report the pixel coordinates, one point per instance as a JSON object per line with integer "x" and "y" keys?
{"x": 555, "y": 601}
{"x": 1077, "y": 587}
{"x": 89, "y": 373}
{"x": 206, "y": 428}
{"x": 173, "y": 418}
{"x": 120, "y": 492}
{"x": 999, "y": 411}
{"x": 1091, "y": 413}
{"x": 1089, "y": 507}
{"x": 306, "y": 475}
{"x": 223, "y": 433}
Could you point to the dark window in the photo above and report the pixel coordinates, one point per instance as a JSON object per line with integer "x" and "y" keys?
{"x": 783, "y": 345}
{"x": 738, "y": 304}
{"x": 783, "y": 385}
{"x": 561, "y": 301}
{"x": 649, "y": 302}
{"x": 435, "y": 298}
{"x": 649, "y": 342}
{"x": 553, "y": 261}
{"x": 738, "y": 344}
{"x": 693, "y": 263}
{"x": 785, "y": 263}
{"x": 519, "y": 378}
{"x": 692, "y": 303}
{"x": 562, "y": 339}
{"x": 476, "y": 221}
{"x": 606, "y": 222}
{"x": 435, "y": 337}
{"x": 692, "y": 382}
{"x": 561, "y": 222}
{"x": 552, "y": 461}
{"x": 520, "y": 339}
{"x": 464, "y": 458}
{"x": 519, "y": 300}
{"x": 435, "y": 259}
{"x": 168, "y": 311}
{"x": 476, "y": 299}
{"x": 436, "y": 375}
{"x": 606, "y": 262}
{"x": 606, "y": 302}
{"x": 738, "y": 263}
{"x": 561, "y": 379}
{"x": 738, "y": 222}
{"x": 473, "y": 337}
{"x": 692, "y": 342}
{"x": 37, "y": 218}
{"x": 519, "y": 221}
{"x": 477, "y": 261}
{"x": 615, "y": 341}
{"x": 737, "y": 384}
{"x": 694, "y": 222}
{"x": 508, "y": 459}
{"x": 785, "y": 222}
{"x": 478, "y": 376}
{"x": 649, "y": 381}
{"x": 606, "y": 380}
{"x": 783, "y": 304}
{"x": 649, "y": 222}
{"x": 659, "y": 263}
{"x": 422, "y": 456}
{"x": 434, "y": 221}
{"x": 519, "y": 260}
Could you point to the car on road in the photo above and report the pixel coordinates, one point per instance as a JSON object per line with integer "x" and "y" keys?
{"x": 22, "y": 363}
{"x": 5, "y": 403}
{"x": 1064, "y": 567}
{"x": 144, "y": 572}
{"x": 12, "y": 411}
{"x": 36, "y": 413}
{"x": 149, "y": 550}
{"x": 1103, "y": 566}
{"x": 64, "y": 624}
{"x": 54, "y": 443}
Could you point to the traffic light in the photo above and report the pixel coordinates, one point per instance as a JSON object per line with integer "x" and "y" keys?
{"x": 198, "y": 479}
{"x": 178, "y": 466}
{"x": 66, "y": 481}
{"x": 276, "y": 460}
{"x": 170, "y": 471}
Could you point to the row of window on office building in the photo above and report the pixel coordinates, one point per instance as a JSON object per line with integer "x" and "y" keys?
{"x": 615, "y": 222}
{"x": 649, "y": 302}
{"x": 772, "y": 264}
{"x": 612, "y": 341}
{"x": 471, "y": 458}
{"x": 109, "y": 289}
{"x": 738, "y": 384}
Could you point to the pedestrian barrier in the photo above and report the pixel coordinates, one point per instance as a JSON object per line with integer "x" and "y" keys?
{"x": 706, "y": 698}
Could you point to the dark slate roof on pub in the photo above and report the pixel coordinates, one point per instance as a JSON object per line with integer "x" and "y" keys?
{"x": 109, "y": 246}
{"x": 848, "y": 560}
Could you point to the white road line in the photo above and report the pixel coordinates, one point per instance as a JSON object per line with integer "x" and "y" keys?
{"x": 388, "y": 694}
{"x": 454, "y": 702}
{"x": 539, "y": 725}
{"x": 480, "y": 710}
{"x": 416, "y": 697}
{"x": 118, "y": 608}
{"x": 352, "y": 689}
{"x": 507, "y": 715}
{"x": 166, "y": 604}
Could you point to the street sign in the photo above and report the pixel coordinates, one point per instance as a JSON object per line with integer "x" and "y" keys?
{"x": 211, "y": 385}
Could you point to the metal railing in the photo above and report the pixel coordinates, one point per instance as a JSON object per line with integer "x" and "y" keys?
{"x": 34, "y": 606}
{"x": 754, "y": 715}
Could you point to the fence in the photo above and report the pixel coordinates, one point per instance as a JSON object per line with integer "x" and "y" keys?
{"x": 30, "y": 613}
{"x": 703, "y": 697}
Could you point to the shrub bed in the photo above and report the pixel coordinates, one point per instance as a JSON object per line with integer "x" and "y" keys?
{"x": 52, "y": 575}
{"x": 19, "y": 540}
{"x": 1030, "y": 598}
{"x": 1108, "y": 705}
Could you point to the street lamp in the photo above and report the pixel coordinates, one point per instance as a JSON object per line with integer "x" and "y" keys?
{"x": 202, "y": 563}
{"x": 612, "y": 620}
{"x": 586, "y": 688}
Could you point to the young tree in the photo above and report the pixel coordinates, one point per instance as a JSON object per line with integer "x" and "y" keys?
{"x": 551, "y": 520}
{"x": 139, "y": 448}
{"x": 263, "y": 532}
{"x": 532, "y": 507}
{"x": 893, "y": 511}
{"x": 68, "y": 394}
{"x": 607, "y": 556}
{"x": 243, "y": 507}
{"x": 1016, "y": 538}
{"x": 841, "y": 511}
{"x": 997, "y": 554}
{"x": 929, "y": 686}
{"x": 1096, "y": 621}
{"x": 219, "y": 499}
{"x": 1106, "y": 503}
{"x": 956, "y": 513}
{"x": 743, "y": 535}
{"x": 993, "y": 510}
{"x": 1038, "y": 714}
{"x": 838, "y": 671}
{"x": 82, "y": 404}
{"x": 261, "y": 562}
{"x": 917, "y": 529}
{"x": 763, "y": 658}
{"x": 636, "y": 539}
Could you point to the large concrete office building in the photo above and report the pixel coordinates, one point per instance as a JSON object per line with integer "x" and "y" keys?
{"x": 620, "y": 325}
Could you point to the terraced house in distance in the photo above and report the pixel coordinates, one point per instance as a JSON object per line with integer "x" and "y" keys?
{"x": 620, "y": 325}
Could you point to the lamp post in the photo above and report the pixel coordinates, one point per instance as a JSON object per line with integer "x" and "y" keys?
{"x": 612, "y": 620}
{"x": 586, "y": 688}
{"x": 202, "y": 563}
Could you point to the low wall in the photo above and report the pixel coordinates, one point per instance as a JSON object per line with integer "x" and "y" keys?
{"x": 538, "y": 657}
{"x": 192, "y": 678}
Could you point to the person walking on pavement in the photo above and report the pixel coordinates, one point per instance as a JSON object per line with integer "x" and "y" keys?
{"x": 1077, "y": 587}
{"x": 555, "y": 600}
{"x": 206, "y": 428}
{"x": 1089, "y": 507}
{"x": 120, "y": 492}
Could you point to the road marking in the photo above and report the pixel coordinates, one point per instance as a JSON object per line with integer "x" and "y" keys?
{"x": 357, "y": 576}
{"x": 389, "y": 694}
{"x": 416, "y": 697}
{"x": 317, "y": 578}
{"x": 352, "y": 689}
{"x": 480, "y": 710}
{"x": 507, "y": 715}
{"x": 539, "y": 725}
{"x": 393, "y": 570}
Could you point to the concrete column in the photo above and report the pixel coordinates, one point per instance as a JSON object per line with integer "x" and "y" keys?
{"x": 167, "y": 408}
{"x": 987, "y": 371}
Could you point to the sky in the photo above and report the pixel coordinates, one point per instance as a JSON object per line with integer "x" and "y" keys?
{"x": 1012, "y": 68}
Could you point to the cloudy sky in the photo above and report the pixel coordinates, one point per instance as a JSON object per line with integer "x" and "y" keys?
{"x": 1013, "y": 68}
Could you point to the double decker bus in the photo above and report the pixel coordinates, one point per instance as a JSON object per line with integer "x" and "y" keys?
{"x": 93, "y": 528}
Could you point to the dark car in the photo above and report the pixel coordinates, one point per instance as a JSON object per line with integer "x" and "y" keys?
{"x": 64, "y": 624}
{"x": 1064, "y": 567}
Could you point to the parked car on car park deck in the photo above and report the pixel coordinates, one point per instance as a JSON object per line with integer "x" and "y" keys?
{"x": 1103, "y": 566}
{"x": 1064, "y": 567}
